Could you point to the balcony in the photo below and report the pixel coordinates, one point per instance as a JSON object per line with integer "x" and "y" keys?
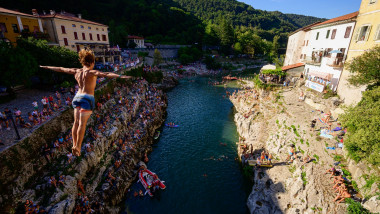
{"x": 36, "y": 35}
{"x": 336, "y": 62}
{"x": 313, "y": 60}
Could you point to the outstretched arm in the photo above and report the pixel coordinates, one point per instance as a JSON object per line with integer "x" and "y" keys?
{"x": 61, "y": 69}
{"x": 109, "y": 75}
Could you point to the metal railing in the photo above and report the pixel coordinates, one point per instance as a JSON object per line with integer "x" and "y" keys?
{"x": 313, "y": 60}
{"x": 336, "y": 62}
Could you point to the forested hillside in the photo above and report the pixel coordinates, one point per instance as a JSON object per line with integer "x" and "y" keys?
{"x": 161, "y": 21}
{"x": 235, "y": 26}
{"x": 243, "y": 14}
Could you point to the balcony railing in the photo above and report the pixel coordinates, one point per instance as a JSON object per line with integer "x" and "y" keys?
{"x": 106, "y": 53}
{"x": 313, "y": 60}
{"x": 336, "y": 62}
{"x": 36, "y": 35}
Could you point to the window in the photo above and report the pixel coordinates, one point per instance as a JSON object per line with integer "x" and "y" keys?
{"x": 317, "y": 36}
{"x": 327, "y": 52}
{"x": 303, "y": 43}
{"x": 307, "y": 42}
{"x": 377, "y": 34}
{"x": 327, "y": 34}
{"x": 81, "y": 26}
{"x": 348, "y": 31}
{"x": 97, "y": 35}
{"x": 301, "y": 56}
{"x": 90, "y": 36}
{"x": 104, "y": 37}
{"x": 78, "y": 48}
{"x": 26, "y": 28}
{"x": 89, "y": 28}
{"x": 75, "y": 36}
{"x": 102, "y": 29}
{"x": 65, "y": 41}
{"x": 362, "y": 33}
{"x": 333, "y": 34}
{"x": 74, "y": 25}
{"x": 83, "y": 36}
{"x": 97, "y": 28}
{"x": 3, "y": 28}
{"x": 15, "y": 28}
{"x": 36, "y": 29}
{"x": 372, "y": 1}
{"x": 62, "y": 28}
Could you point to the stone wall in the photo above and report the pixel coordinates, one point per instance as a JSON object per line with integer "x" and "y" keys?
{"x": 24, "y": 172}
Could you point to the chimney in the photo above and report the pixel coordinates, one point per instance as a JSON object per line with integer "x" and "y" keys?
{"x": 52, "y": 12}
{"x": 34, "y": 12}
{"x": 80, "y": 16}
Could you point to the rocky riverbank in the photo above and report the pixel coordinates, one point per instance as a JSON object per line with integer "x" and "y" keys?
{"x": 273, "y": 121}
{"x": 126, "y": 136}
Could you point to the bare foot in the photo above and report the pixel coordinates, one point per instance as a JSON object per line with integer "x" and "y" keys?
{"x": 76, "y": 151}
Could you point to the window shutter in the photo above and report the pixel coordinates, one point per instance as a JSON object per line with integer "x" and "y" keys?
{"x": 377, "y": 33}
{"x": 356, "y": 34}
{"x": 367, "y": 33}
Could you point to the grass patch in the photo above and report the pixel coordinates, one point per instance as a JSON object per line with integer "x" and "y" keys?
{"x": 302, "y": 151}
{"x": 303, "y": 176}
{"x": 301, "y": 140}
{"x": 292, "y": 169}
{"x": 307, "y": 143}
{"x": 316, "y": 158}
{"x": 338, "y": 158}
{"x": 318, "y": 138}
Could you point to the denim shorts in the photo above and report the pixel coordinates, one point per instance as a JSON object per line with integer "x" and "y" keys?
{"x": 84, "y": 101}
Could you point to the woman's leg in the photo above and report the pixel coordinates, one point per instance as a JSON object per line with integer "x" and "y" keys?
{"x": 74, "y": 130}
{"x": 83, "y": 117}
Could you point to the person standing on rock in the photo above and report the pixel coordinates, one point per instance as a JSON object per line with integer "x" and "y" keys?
{"x": 84, "y": 101}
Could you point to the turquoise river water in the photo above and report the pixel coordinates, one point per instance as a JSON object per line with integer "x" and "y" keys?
{"x": 196, "y": 160}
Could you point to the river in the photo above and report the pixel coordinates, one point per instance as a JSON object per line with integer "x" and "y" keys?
{"x": 196, "y": 160}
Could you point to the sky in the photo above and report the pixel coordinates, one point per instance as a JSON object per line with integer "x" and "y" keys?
{"x": 318, "y": 8}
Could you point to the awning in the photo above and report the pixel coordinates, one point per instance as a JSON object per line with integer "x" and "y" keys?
{"x": 292, "y": 66}
{"x": 321, "y": 75}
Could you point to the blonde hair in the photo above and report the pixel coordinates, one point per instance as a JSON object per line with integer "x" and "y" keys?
{"x": 86, "y": 57}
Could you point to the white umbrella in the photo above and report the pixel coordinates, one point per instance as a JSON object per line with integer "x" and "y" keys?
{"x": 335, "y": 51}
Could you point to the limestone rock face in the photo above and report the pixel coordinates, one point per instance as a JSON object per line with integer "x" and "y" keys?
{"x": 372, "y": 204}
{"x": 63, "y": 207}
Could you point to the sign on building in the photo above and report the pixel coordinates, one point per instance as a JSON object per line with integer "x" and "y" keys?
{"x": 314, "y": 86}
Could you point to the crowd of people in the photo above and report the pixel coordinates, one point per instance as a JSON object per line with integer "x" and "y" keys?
{"x": 40, "y": 113}
{"x": 31, "y": 208}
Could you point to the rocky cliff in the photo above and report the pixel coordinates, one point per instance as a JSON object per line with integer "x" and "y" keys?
{"x": 275, "y": 120}
{"x": 24, "y": 172}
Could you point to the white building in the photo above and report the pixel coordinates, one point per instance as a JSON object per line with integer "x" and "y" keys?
{"x": 326, "y": 52}
{"x": 139, "y": 41}
{"x": 297, "y": 44}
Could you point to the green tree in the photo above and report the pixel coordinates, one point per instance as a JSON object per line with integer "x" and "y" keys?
{"x": 226, "y": 35}
{"x": 157, "y": 58}
{"x": 365, "y": 68}
{"x": 17, "y": 66}
{"x": 363, "y": 124}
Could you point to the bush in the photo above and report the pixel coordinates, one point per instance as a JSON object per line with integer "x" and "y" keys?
{"x": 363, "y": 125}
{"x": 189, "y": 54}
{"x": 277, "y": 72}
{"x": 355, "y": 207}
{"x": 211, "y": 63}
{"x": 151, "y": 77}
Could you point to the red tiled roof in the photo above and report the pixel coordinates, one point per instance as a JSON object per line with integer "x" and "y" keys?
{"x": 292, "y": 66}
{"x": 305, "y": 28}
{"x": 340, "y": 18}
{"x": 72, "y": 18}
{"x": 134, "y": 37}
{"x": 13, "y": 12}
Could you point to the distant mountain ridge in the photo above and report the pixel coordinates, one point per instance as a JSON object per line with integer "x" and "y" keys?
{"x": 244, "y": 14}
